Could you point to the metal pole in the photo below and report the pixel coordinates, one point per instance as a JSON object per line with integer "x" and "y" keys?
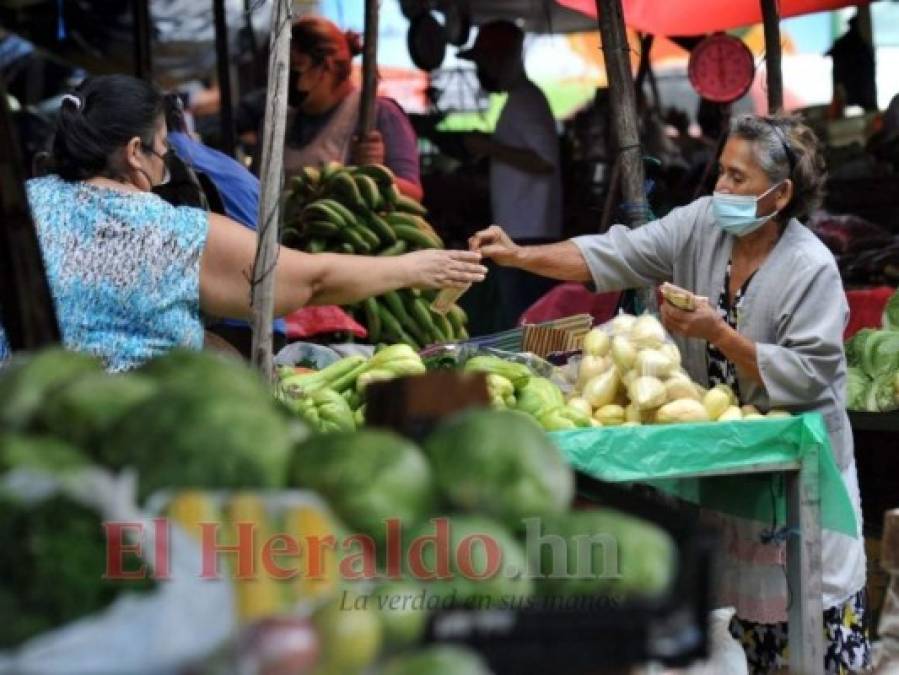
{"x": 223, "y": 65}
{"x": 143, "y": 39}
{"x": 26, "y": 305}
{"x": 616, "y": 52}
{"x": 369, "y": 69}
{"x": 771, "y": 18}
{"x": 272, "y": 177}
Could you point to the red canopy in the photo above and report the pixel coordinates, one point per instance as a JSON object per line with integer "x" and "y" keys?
{"x": 698, "y": 17}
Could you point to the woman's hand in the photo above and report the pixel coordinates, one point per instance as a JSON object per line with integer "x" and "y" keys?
{"x": 704, "y": 322}
{"x": 368, "y": 150}
{"x": 495, "y": 244}
{"x": 433, "y": 268}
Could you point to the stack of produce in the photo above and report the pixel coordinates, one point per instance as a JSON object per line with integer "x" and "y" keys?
{"x": 514, "y": 386}
{"x": 193, "y": 423}
{"x": 873, "y": 358}
{"x": 332, "y": 399}
{"x": 358, "y": 210}
{"x": 630, "y": 374}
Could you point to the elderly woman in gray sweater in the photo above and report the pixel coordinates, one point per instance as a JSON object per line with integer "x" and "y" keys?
{"x": 772, "y": 329}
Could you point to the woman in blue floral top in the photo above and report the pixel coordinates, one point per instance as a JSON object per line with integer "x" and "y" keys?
{"x": 130, "y": 274}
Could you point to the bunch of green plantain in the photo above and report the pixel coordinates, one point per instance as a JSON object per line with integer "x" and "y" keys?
{"x": 358, "y": 210}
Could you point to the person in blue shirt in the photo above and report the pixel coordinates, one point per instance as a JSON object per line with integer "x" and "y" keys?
{"x": 236, "y": 196}
{"x": 130, "y": 274}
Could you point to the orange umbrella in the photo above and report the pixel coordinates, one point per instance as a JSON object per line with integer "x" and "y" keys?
{"x": 698, "y": 17}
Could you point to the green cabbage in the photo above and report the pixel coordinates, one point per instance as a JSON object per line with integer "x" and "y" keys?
{"x": 882, "y": 395}
{"x": 881, "y": 353}
{"x": 628, "y": 556}
{"x": 500, "y": 463}
{"x": 367, "y": 477}
{"x": 855, "y": 346}
{"x": 508, "y": 583}
{"x": 857, "y": 384}
{"x": 891, "y": 312}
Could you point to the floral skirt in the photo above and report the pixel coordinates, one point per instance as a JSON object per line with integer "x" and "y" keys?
{"x": 846, "y": 645}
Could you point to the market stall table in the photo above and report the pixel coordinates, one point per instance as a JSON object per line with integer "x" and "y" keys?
{"x": 795, "y": 450}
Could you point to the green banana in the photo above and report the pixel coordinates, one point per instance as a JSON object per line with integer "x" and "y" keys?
{"x": 393, "y": 329}
{"x": 351, "y": 236}
{"x": 343, "y": 187}
{"x": 368, "y": 188}
{"x": 372, "y": 320}
{"x": 348, "y": 216}
{"x": 380, "y": 227}
{"x": 316, "y": 245}
{"x": 455, "y": 320}
{"x": 408, "y": 205}
{"x": 396, "y": 249}
{"x": 381, "y": 174}
{"x": 460, "y": 316}
{"x": 390, "y": 194}
{"x": 418, "y": 308}
{"x": 328, "y": 171}
{"x": 446, "y": 328}
{"x": 370, "y": 237}
{"x": 395, "y": 304}
{"x": 328, "y": 209}
{"x": 321, "y": 228}
{"x": 416, "y": 237}
{"x": 346, "y": 249}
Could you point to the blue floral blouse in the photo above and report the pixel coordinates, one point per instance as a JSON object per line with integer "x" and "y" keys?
{"x": 124, "y": 270}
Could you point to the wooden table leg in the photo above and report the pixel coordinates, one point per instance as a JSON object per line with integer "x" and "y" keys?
{"x": 806, "y": 611}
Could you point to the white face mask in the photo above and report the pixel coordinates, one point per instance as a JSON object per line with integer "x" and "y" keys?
{"x": 736, "y": 214}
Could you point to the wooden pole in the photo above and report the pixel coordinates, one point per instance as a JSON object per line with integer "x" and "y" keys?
{"x": 771, "y": 18}
{"x": 369, "y": 68}
{"x": 26, "y": 305}
{"x": 223, "y": 68}
{"x": 262, "y": 296}
{"x": 616, "y": 52}
{"x": 143, "y": 29}
{"x": 624, "y": 109}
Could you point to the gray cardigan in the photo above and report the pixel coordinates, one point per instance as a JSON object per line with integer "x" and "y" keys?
{"x": 794, "y": 309}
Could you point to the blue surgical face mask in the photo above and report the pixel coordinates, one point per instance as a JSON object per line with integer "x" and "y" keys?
{"x": 735, "y": 214}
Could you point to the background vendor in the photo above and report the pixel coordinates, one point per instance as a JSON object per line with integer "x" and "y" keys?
{"x": 525, "y": 176}
{"x": 324, "y": 115}
{"x": 772, "y": 329}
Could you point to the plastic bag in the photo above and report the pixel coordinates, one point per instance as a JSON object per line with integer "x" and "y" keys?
{"x": 179, "y": 623}
{"x": 726, "y": 655}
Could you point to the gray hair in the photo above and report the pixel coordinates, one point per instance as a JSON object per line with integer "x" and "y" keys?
{"x": 767, "y": 145}
{"x": 774, "y": 139}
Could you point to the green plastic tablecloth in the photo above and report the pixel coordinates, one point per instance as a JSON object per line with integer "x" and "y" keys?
{"x": 666, "y": 455}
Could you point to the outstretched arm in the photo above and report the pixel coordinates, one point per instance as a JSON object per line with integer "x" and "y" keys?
{"x": 563, "y": 261}
{"x": 303, "y": 279}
